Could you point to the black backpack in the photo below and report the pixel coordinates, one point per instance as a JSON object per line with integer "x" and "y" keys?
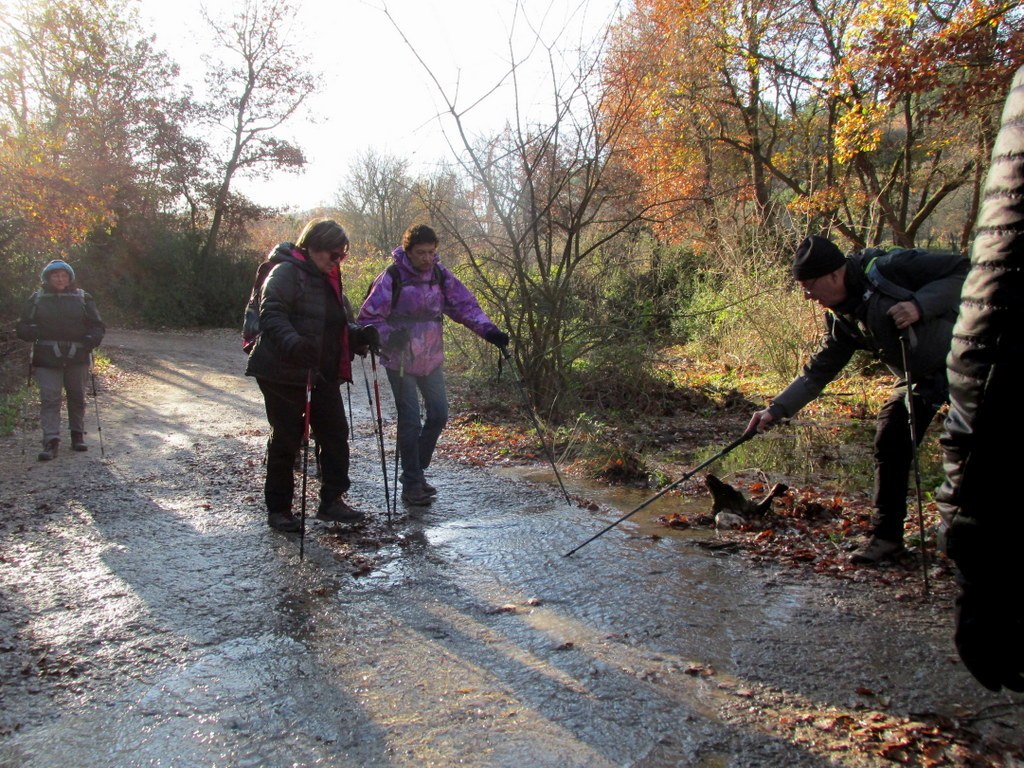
{"x": 879, "y": 281}
{"x": 396, "y": 282}
{"x": 251, "y": 318}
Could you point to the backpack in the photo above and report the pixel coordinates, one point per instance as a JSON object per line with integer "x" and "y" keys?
{"x": 38, "y": 295}
{"x": 251, "y": 317}
{"x": 880, "y": 282}
{"x": 396, "y": 282}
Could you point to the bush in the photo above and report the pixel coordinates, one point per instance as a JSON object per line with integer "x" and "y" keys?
{"x": 751, "y": 316}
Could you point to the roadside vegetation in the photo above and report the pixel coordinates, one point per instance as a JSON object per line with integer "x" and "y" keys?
{"x": 633, "y": 235}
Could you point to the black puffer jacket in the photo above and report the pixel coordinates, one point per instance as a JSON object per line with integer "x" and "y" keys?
{"x": 980, "y": 500}
{"x": 931, "y": 279}
{"x": 65, "y": 326}
{"x": 293, "y": 307}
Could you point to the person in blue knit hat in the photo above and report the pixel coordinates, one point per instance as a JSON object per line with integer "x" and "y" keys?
{"x": 64, "y": 326}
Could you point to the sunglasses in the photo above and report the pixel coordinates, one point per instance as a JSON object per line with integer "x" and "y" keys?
{"x": 337, "y": 255}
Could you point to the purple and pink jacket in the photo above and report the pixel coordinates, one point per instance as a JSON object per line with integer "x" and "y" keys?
{"x": 421, "y": 304}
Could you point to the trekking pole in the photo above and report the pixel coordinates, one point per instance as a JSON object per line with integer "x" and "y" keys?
{"x": 351, "y": 426}
{"x": 96, "y": 402}
{"x": 549, "y": 451}
{"x": 24, "y": 400}
{"x": 401, "y": 379}
{"x": 738, "y": 441}
{"x": 305, "y": 462}
{"x": 907, "y": 338}
{"x": 378, "y": 431}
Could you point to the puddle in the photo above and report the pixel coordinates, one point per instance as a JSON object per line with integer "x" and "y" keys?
{"x": 165, "y": 624}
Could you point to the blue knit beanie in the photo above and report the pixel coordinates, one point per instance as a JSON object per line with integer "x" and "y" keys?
{"x": 57, "y": 264}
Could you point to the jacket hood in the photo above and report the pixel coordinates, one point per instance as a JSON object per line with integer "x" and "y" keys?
{"x": 290, "y": 252}
{"x": 405, "y": 265}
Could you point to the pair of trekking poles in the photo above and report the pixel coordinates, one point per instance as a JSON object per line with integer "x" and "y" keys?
{"x": 378, "y": 430}
{"x": 391, "y": 498}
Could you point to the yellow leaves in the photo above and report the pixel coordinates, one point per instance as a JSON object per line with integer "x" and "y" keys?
{"x": 875, "y": 16}
{"x": 817, "y": 202}
{"x": 56, "y": 200}
{"x": 859, "y": 130}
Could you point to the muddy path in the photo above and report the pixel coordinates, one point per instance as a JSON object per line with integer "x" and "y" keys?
{"x": 149, "y": 617}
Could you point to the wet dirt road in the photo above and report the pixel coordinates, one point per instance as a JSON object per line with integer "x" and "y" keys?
{"x": 149, "y": 617}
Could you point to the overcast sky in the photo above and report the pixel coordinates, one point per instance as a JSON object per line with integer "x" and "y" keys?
{"x": 376, "y": 95}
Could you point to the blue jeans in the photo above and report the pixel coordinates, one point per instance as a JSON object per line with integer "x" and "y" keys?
{"x": 416, "y": 438}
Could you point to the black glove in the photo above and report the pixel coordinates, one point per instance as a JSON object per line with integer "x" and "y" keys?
{"x": 363, "y": 338}
{"x": 90, "y": 342}
{"x": 990, "y": 637}
{"x": 306, "y": 353}
{"x": 398, "y": 338}
{"x": 497, "y": 338}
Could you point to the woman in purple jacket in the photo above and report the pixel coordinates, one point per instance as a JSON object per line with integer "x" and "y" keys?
{"x": 407, "y": 303}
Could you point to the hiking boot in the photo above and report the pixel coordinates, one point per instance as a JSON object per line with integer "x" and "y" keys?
{"x": 339, "y": 512}
{"x": 417, "y": 495}
{"x": 284, "y": 521}
{"x": 49, "y": 450}
{"x": 429, "y": 489}
{"x": 78, "y": 442}
{"x": 874, "y": 550}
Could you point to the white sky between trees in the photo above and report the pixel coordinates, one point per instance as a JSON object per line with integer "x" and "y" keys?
{"x": 376, "y": 95}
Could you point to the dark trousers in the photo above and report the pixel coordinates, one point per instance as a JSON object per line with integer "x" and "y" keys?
{"x": 286, "y": 407}
{"x": 894, "y": 458}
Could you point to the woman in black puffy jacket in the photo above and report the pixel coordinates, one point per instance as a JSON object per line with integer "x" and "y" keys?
{"x": 979, "y": 499}
{"x": 61, "y": 321}
{"x": 305, "y": 339}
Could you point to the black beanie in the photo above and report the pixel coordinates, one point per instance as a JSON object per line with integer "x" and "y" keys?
{"x": 816, "y": 256}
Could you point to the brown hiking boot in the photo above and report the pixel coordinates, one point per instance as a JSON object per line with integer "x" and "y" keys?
{"x": 284, "y": 521}
{"x": 78, "y": 442}
{"x": 339, "y": 512}
{"x": 417, "y": 495}
{"x": 49, "y": 450}
{"x": 874, "y": 550}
